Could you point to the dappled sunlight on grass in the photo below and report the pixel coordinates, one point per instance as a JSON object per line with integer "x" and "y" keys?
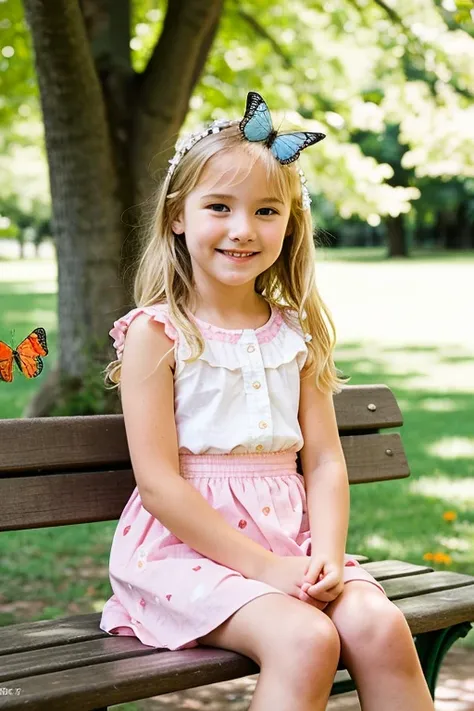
{"x": 39, "y": 287}
{"x": 374, "y": 542}
{"x": 37, "y": 317}
{"x": 422, "y": 369}
{"x": 437, "y": 431}
{"x": 394, "y": 520}
{"x": 451, "y": 491}
{"x": 453, "y": 448}
{"x": 434, "y": 380}
{"x": 366, "y": 255}
{"x": 441, "y": 405}
{"x": 400, "y": 304}
{"x": 454, "y": 544}
{"x": 29, "y": 270}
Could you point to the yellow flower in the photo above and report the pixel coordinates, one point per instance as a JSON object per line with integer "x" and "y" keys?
{"x": 442, "y": 558}
{"x": 450, "y": 515}
{"x": 428, "y": 556}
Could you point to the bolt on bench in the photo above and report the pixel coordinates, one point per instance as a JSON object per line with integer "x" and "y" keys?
{"x": 72, "y": 470}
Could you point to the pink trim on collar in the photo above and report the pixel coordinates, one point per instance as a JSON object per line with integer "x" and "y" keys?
{"x": 264, "y": 333}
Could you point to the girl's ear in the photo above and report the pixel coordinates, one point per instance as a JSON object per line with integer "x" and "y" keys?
{"x": 289, "y": 228}
{"x": 178, "y": 225}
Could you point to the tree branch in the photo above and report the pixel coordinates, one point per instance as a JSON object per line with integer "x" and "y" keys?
{"x": 167, "y": 83}
{"x": 260, "y": 30}
{"x": 394, "y": 16}
{"x": 451, "y": 23}
{"x": 107, "y": 25}
{"x": 429, "y": 77}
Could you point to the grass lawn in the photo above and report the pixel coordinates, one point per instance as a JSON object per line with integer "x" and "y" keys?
{"x": 404, "y": 323}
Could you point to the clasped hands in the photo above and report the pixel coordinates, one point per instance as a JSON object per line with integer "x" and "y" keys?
{"x": 323, "y": 581}
{"x": 317, "y": 580}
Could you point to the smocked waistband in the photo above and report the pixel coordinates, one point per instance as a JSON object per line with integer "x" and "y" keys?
{"x": 243, "y": 465}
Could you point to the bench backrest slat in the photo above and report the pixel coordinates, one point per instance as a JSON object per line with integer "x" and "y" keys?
{"x": 54, "y": 499}
{"x": 85, "y": 443}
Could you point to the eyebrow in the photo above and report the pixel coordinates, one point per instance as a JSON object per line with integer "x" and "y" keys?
{"x": 221, "y": 196}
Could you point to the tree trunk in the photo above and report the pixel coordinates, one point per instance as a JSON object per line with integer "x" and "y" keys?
{"x": 458, "y": 231}
{"x": 102, "y": 125}
{"x": 397, "y": 242}
{"x": 84, "y": 184}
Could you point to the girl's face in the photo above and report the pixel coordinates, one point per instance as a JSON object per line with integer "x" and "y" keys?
{"x": 232, "y": 208}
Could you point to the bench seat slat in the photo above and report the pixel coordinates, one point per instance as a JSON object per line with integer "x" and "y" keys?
{"x": 30, "y": 636}
{"x": 416, "y": 585}
{"x": 70, "y": 656}
{"x": 143, "y": 676}
{"x": 122, "y": 680}
{"x": 438, "y": 610}
{"x": 55, "y": 499}
{"x": 46, "y": 633}
{"x": 384, "y": 569}
{"x": 158, "y": 673}
{"x": 107, "y": 648}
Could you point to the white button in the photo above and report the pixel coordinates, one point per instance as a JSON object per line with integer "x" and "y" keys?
{"x": 262, "y": 424}
{"x": 256, "y": 385}
{"x": 250, "y": 349}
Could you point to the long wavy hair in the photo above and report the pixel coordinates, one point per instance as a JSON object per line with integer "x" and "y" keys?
{"x": 164, "y": 273}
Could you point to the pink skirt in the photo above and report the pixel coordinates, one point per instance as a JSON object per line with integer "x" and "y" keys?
{"x": 166, "y": 593}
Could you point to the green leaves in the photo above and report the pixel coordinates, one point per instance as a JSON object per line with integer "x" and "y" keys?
{"x": 465, "y": 10}
{"x": 347, "y": 69}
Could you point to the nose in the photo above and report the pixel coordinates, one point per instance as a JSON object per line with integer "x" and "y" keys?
{"x": 242, "y": 228}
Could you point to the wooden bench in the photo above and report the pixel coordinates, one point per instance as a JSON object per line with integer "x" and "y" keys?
{"x": 68, "y": 470}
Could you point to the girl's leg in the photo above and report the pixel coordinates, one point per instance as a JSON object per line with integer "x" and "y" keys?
{"x": 378, "y": 650}
{"x": 296, "y": 646}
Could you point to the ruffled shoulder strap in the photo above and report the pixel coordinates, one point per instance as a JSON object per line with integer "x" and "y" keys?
{"x": 289, "y": 343}
{"x": 159, "y": 312}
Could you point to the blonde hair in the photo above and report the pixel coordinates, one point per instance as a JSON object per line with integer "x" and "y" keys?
{"x": 164, "y": 273}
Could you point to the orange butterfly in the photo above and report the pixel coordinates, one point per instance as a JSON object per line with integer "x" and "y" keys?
{"x": 27, "y": 356}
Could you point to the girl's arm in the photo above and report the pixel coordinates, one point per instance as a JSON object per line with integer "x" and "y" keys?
{"x": 148, "y": 407}
{"x": 325, "y": 472}
{"x": 328, "y": 509}
{"x": 183, "y": 511}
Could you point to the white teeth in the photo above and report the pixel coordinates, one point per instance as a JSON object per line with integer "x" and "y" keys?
{"x": 236, "y": 254}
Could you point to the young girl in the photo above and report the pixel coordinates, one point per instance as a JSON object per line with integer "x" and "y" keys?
{"x": 225, "y": 371}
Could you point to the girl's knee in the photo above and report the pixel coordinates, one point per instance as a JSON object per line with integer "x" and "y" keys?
{"x": 375, "y": 626}
{"x": 312, "y": 637}
{"x": 387, "y": 623}
{"x": 308, "y": 653}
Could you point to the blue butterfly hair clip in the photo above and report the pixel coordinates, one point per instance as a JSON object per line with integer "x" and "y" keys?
{"x": 257, "y": 125}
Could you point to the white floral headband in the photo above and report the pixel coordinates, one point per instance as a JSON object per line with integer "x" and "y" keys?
{"x": 256, "y": 125}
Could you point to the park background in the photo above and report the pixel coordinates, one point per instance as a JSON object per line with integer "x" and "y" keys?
{"x": 393, "y": 202}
